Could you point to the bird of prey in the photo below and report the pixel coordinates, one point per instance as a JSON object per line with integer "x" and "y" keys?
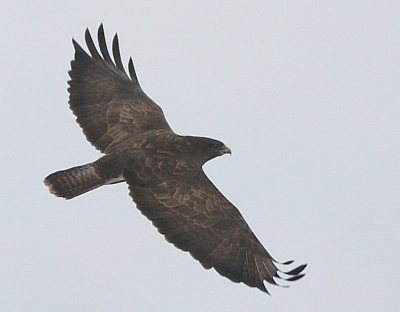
{"x": 162, "y": 169}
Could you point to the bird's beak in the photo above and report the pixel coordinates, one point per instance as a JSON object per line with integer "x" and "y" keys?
{"x": 225, "y": 150}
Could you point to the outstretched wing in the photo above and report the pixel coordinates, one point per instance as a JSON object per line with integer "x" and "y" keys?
{"x": 193, "y": 215}
{"x": 110, "y": 107}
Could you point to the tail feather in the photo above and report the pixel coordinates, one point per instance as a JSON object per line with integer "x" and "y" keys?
{"x": 74, "y": 181}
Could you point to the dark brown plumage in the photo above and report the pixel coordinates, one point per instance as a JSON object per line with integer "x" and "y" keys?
{"x": 163, "y": 170}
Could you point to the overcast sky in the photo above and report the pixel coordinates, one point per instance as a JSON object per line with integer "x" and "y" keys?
{"x": 305, "y": 93}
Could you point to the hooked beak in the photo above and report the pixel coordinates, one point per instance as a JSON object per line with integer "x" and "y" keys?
{"x": 225, "y": 150}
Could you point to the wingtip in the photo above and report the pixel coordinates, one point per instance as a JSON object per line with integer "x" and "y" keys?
{"x": 297, "y": 270}
{"x": 77, "y": 47}
{"x": 101, "y": 27}
{"x": 87, "y": 32}
{"x": 295, "y": 278}
{"x": 105, "y": 55}
{"x": 117, "y": 54}
{"x": 101, "y": 38}
{"x": 291, "y": 275}
{"x": 132, "y": 72}
{"x": 263, "y": 288}
{"x": 286, "y": 262}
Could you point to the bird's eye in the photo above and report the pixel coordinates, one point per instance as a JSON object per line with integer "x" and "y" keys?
{"x": 215, "y": 146}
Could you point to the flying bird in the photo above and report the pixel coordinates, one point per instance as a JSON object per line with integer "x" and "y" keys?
{"x": 162, "y": 169}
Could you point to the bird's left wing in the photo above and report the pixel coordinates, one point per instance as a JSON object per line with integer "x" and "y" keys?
{"x": 194, "y": 216}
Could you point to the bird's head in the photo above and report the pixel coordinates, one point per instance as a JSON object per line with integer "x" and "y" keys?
{"x": 220, "y": 148}
{"x": 205, "y": 149}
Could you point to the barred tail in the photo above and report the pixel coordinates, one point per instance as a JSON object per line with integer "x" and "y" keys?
{"x": 73, "y": 182}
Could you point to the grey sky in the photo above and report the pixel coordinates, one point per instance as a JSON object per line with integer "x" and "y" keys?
{"x": 305, "y": 93}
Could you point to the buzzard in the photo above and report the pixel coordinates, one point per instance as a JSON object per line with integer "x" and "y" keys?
{"x": 162, "y": 169}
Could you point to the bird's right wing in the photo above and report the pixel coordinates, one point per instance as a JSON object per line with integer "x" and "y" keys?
{"x": 110, "y": 107}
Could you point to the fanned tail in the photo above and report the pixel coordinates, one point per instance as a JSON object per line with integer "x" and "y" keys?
{"x": 73, "y": 182}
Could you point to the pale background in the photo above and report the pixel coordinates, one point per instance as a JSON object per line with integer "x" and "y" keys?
{"x": 306, "y": 94}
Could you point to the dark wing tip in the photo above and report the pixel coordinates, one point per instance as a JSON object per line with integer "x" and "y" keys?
{"x": 264, "y": 289}
{"x": 90, "y": 44}
{"x": 132, "y": 72}
{"x": 77, "y": 47}
{"x": 295, "y": 278}
{"x": 117, "y": 54}
{"x": 103, "y": 45}
{"x": 105, "y": 55}
{"x": 294, "y": 274}
{"x": 297, "y": 270}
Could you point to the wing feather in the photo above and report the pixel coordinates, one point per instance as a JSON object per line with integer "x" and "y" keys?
{"x": 117, "y": 55}
{"x": 90, "y": 44}
{"x": 132, "y": 72}
{"x": 194, "y": 216}
{"x": 111, "y": 109}
{"x": 103, "y": 45}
